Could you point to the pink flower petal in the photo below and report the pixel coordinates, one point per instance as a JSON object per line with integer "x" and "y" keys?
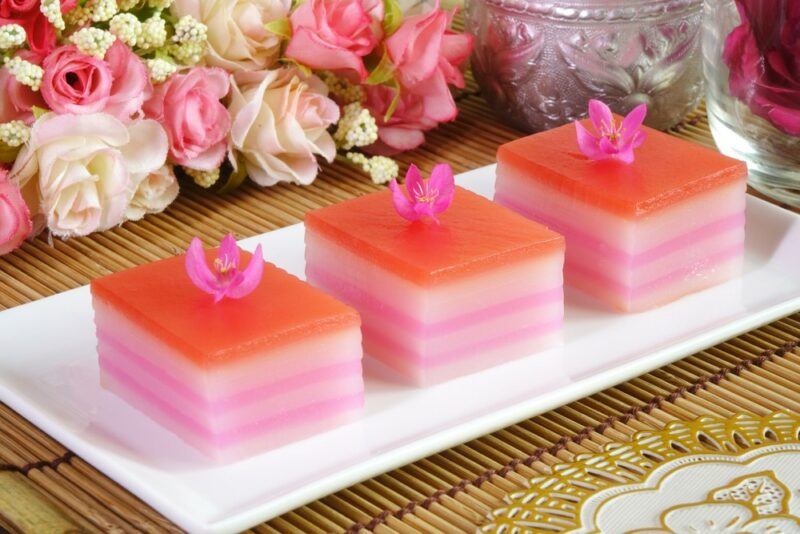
{"x": 442, "y": 180}
{"x": 402, "y": 204}
{"x": 228, "y": 252}
{"x": 413, "y": 180}
{"x": 625, "y": 156}
{"x": 248, "y": 279}
{"x": 197, "y": 269}
{"x": 607, "y": 148}
{"x": 634, "y": 119}
{"x": 425, "y": 209}
{"x": 587, "y": 143}
{"x": 638, "y": 139}
{"x": 600, "y": 114}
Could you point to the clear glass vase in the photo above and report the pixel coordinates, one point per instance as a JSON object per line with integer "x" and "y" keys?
{"x": 752, "y": 71}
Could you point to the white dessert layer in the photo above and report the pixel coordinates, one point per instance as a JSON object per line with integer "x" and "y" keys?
{"x": 229, "y": 379}
{"x": 569, "y": 216}
{"x": 440, "y": 302}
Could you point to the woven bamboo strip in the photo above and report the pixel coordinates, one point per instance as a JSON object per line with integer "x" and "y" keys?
{"x": 447, "y": 492}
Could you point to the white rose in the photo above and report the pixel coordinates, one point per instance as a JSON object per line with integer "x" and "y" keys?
{"x": 79, "y": 168}
{"x": 154, "y": 192}
{"x": 280, "y": 124}
{"x": 237, "y": 37}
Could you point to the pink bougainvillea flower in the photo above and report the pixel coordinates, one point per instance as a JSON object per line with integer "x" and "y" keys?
{"x": 611, "y": 140}
{"x": 426, "y": 198}
{"x": 225, "y": 279}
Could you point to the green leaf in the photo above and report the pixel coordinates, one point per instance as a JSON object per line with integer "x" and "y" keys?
{"x": 383, "y": 72}
{"x": 7, "y": 153}
{"x": 235, "y": 178}
{"x": 393, "y": 16}
{"x": 280, "y": 27}
{"x": 38, "y": 112}
{"x": 393, "y": 104}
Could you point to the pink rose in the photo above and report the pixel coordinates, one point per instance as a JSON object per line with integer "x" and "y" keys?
{"x": 197, "y": 124}
{"x": 404, "y": 129}
{"x": 16, "y": 99}
{"x": 763, "y": 56}
{"x": 74, "y": 82}
{"x": 17, "y": 8}
{"x": 40, "y": 32}
{"x": 27, "y": 13}
{"x": 130, "y": 85}
{"x": 15, "y": 219}
{"x": 427, "y": 57}
{"x": 335, "y": 35}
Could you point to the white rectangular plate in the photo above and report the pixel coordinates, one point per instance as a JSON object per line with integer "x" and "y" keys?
{"x": 49, "y": 373}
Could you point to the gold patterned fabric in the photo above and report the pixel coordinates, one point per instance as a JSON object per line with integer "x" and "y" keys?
{"x": 740, "y": 474}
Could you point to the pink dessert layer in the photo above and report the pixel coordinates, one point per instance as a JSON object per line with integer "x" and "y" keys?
{"x": 437, "y": 332}
{"x": 266, "y": 400}
{"x": 259, "y": 436}
{"x": 637, "y": 263}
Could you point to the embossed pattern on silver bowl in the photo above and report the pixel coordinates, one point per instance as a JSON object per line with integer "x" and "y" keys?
{"x": 538, "y": 63}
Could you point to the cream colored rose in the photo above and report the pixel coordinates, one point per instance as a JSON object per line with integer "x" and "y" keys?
{"x": 154, "y": 192}
{"x": 79, "y": 168}
{"x": 237, "y": 38}
{"x": 280, "y": 124}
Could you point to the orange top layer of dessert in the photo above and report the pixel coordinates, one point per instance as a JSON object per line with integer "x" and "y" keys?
{"x": 160, "y": 298}
{"x": 666, "y": 171}
{"x": 474, "y": 235}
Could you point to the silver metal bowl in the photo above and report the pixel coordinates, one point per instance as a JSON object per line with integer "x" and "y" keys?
{"x": 539, "y": 62}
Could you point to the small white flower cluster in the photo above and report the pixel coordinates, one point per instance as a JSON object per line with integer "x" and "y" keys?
{"x": 14, "y": 133}
{"x": 52, "y": 10}
{"x": 79, "y": 15}
{"x": 154, "y": 32}
{"x": 126, "y": 27}
{"x": 380, "y": 168}
{"x": 103, "y": 10}
{"x": 25, "y": 72}
{"x": 204, "y": 179}
{"x": 11, "y": 36}
{"x": 189, "y": 40}
{"x": 160, "y": 69}
{"x": 356, "y": 127}
{"x": 343, "y": 90}
{"x": 190, "y": 30}
{"x": 188, "y": 53}
{"x": 93, "y": 41}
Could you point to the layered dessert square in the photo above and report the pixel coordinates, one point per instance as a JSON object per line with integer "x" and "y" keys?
{"x": 233, "y": 377}
{"x": 440, "y": 300}
{"x": 638, "y": 235}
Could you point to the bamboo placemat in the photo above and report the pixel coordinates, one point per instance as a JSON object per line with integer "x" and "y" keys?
{"x": 44, "y": 487}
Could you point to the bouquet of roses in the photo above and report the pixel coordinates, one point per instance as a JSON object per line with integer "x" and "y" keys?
{"x": 104, "y": 102}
